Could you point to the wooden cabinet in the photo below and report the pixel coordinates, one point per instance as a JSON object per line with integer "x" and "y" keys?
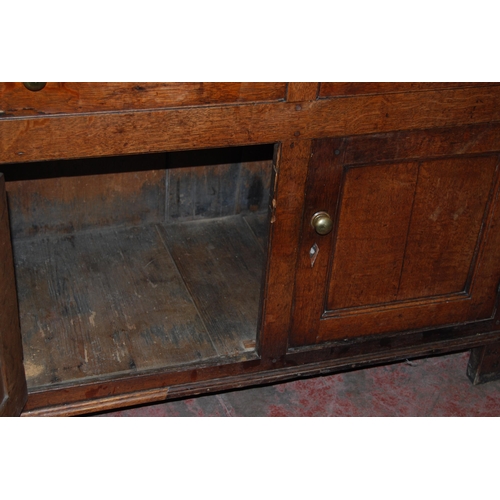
{"x": 161, "y": 242}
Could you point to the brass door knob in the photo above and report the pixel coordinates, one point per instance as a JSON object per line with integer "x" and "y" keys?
{"x": 34, "y": 86}
{"x": 322, "y": 223}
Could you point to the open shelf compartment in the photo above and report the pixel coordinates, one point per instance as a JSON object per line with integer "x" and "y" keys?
{"x": 172, "y": 280}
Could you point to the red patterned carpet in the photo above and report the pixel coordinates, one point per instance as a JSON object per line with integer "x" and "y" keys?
{"x": 431, "y": 387}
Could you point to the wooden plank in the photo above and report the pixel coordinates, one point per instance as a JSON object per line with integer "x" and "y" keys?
{"x": 448, "y": 213}
{"x": 62, "y": 402}
{"x": 43, "y": 138}
{"x": 101, "y": 303}
{"x": 102, "y": 404}
{"x": 370, "y": 243}
{"x": 80, "y": 202}
{"x": 13, "y": 391}
{"x": 254, "y": 186}
{"x": 221, "y": 263}
{"x": 292, "y": 159}
{"x": 324, "y": 181}
{"x": 180, "y": 195}
{"x": 484, "y": 364}
{"x": 202, "y": 191}
{"x": 302, "y": 91}
{"x": 259, "y": 225}
{"x": 422, "y": 144}
{"x": 331, "y": 89}
{"x": 85, "y": 97}
{"x": 217, "y": 190}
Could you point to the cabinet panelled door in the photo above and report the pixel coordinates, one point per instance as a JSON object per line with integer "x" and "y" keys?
{"x": 413, "y": 240}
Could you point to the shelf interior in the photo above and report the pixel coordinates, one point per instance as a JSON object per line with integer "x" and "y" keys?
{"x": 127, "y": 300}
{"x": 138, "y": 263}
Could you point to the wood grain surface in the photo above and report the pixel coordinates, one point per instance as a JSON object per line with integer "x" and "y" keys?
{"x": 108, "y": 302}
{"x": 13, "y": 392}
{"x": 217, "y": 190}
{"x": 484, "y": 364}
{"x": 407, "y": 247}
{"x": 448, "y": 213}
{"x": 100, "y": 196}
{"x": 70, "y": 136}
{"x": 221, "y": 264}
{"x": 302, "y": 91}
{"x": 86, "y": 398}
{"x": 86, "y": 97}
{"x": 289, "y": 182}
{"x": 409, "y": 175}
{"x": 331, "y": 89}
{"x": 372, "y": 231}
{"x": 324, "y": 178}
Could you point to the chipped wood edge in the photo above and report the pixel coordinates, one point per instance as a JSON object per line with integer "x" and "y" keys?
{"x": 101, "y": 404}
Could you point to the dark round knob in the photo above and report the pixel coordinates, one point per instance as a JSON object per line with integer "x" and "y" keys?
{"x": 322, "y": 223}
{"x": 34, "y": 86}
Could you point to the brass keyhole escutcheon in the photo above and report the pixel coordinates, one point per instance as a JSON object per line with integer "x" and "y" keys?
{"x": 34, "y": 86}
{"x": 322, "y": 223}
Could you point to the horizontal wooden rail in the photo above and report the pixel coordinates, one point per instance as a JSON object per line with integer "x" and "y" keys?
{"x": 121, "y": 133}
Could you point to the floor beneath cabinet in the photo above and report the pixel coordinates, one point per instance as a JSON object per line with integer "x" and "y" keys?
{"x": 431, "y": 387}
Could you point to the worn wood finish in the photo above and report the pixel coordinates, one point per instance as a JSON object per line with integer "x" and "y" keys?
{"x": 422, "y": 144}
{"x": 400, "y": 238}
{"x": 13, "y": 392}
{"x": 371, "y": 235}
{"x": 86, "y": 398}
{"x": 447, "y": 216}
{"x": 330, "y": 89}
{"x": 254, "y": 188}
{"x": 259, "y": 225}
{"x": 324, "y": 178}
{"x": 218, "y": 190}
{"x": 56, "y": 98}
{"x": 213, "y": 197}
{"x": 81, "y": 202}
{"x": 391, "y": 146}
{"x": 465, "y": 304}
{"x": 104, "y": 302}
{"x": 289, "y": 182}
{"x": 297, "y": 92}
{"x": 407, "y": 247}
{"x": 102, "y": 404}
{"x": 44, "y": 138}
{"x": 484, "y": 364}
{"x": 221, "y": 263}
{"x": 112, "y": 301}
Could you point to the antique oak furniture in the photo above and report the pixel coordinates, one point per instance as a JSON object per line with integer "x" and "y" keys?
{"x": 161, "y": 240}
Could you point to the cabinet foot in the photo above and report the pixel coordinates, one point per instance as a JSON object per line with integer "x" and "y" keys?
{"x": 484, "y": 364}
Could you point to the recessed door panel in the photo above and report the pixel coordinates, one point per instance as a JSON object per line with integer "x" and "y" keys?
{"x": 371, "y": 237}
{"x": 448, "y": 212}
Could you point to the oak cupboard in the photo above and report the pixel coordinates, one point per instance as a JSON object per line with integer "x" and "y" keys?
{"x": 169, "y": 239}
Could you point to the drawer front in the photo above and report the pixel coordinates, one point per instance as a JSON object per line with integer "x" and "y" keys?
{"x": 56, "y": 98}
{"x": 343, "y": 89}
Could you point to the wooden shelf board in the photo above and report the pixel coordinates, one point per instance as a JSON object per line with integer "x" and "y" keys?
{"x": 125, "y": 300}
